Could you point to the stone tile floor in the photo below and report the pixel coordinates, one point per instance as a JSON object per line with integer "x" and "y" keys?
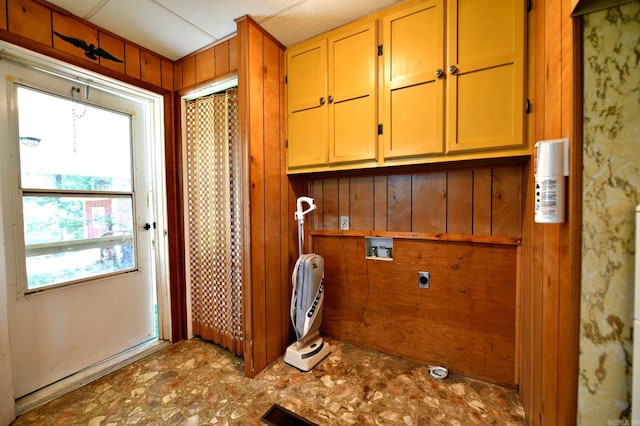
{"x": 195, "y": 382}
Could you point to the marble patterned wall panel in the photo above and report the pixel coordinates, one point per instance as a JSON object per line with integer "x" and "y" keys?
{"x": 611, "y": 191}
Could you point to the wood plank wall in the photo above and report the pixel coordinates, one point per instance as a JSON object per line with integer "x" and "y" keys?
{"x": 472, "y": 201}
{"x": 206, "y": 65}
{"x": 465, "y": 321}
{"x": 551, "y": 254}
{"x": 463, "y": 226}
{"x": 32, "y": 23}
{"x": 269, "y": 233}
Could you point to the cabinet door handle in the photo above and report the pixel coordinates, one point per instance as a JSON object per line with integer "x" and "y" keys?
{"x": 439, "y": 73}
{"x": 330, "y": 99}
{"x": 322, "y": 101}
{"x": 453, "y": 69}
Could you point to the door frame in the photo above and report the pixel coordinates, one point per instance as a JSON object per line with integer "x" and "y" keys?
{"x": 9, "y": 407}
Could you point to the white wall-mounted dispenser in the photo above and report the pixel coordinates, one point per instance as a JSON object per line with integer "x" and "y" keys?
{"x": 551, "y": 162}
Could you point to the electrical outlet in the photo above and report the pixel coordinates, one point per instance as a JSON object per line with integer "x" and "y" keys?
{"x": 344, "y": 222}
{"x": 424, "y": 279}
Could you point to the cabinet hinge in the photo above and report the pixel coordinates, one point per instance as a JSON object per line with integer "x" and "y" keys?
{"x": 286, "y": 143}
{"x": 527, "y": 106}
{"x": 379, "y": 129}
{"x": 380, "y": 50}
{"x": 286, "y": 79}
{"x": 529, "y": 5}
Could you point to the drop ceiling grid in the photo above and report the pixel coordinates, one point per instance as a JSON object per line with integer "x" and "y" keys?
{"x": 176, "y": 28}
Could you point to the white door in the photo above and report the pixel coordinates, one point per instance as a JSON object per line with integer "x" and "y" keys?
{"x": 79, "y": 257}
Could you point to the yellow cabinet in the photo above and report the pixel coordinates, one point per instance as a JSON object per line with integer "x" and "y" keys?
{"x": 413, "y": 88}
{"x": 452, "y": 82}
{"x": 453, "y": 89}
{"x": 332, "y": 102}
{"x": 485, "y": 75}
{"x": 307, "y": 119}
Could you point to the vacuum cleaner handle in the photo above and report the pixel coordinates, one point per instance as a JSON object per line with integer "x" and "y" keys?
{"x": 299, "y": 214}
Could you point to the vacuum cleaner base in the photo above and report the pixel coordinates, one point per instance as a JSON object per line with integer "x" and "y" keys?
{"x": 308, "y": 356}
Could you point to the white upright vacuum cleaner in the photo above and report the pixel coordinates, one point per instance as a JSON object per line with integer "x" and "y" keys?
{"x": 306, "y": 302}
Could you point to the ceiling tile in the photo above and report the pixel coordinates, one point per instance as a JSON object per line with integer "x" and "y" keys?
{"x": 78, "y": 8}
{"x": 217, "y": 17}
{"x": 152, "y": 26}
{"x": 312, "y": 17}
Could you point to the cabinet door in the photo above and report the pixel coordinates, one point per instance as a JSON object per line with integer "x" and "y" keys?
{"x": 306, "y": 102}
{"x": 413, "y": 117}
{"x": 352, "y": 76}
{"x": 485, "y": 91}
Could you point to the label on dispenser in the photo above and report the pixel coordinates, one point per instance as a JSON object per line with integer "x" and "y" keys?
{"x": 549, "y": 205}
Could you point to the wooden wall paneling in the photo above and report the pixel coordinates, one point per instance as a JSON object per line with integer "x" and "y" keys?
{"x": 205, "y": 65}
{"x": 549, "y": 279}
{"x": 132, "y": 61}
{"x": 551, "y": 285}
{"x": 115, "y": 46}
{"x": 150, "y": 68}
{"x": 167, "y": 74}
{"x": 258, "y": 338}
{"x": 244, "y": 82}
{"x": 380, "y": 203}
{"x": 289, "y": 236}
{"x": 3, "y": 14}
{"x": 67, "y": 26}
{"x": 361, "y": 203}
{"x": 221, "y": 58}
{"x": 571, "y": 249}
{"x": 429, "y": 203}
{"x": 331, "y": 204}
{"x": 31, "y": 20}
{"x": 175, "y": 222}
{"x": 343, "y": 198}
{"x": 399, "y": 203}
{"x": 32, "y": 23}
{"x": 550, "y": 311}
{"x": 260, "y": 129}
{"x": 233, "y": 53}
{"x": 531, "y": 352}
{"x": 460, "y": 202}
{"x": 482, "y": 179}
{"x": 177, "y": 76}
{"x": 189, "y": 71}
{"x": 531, "y": 375}
{"x": 474, "y": 306}
{"x": 468, "y": 311}
{"x": 506, "y": 202}
{"x": 316, "y": 221}
{"x": 346, "y": 286}
{"x": 273, "y": 194}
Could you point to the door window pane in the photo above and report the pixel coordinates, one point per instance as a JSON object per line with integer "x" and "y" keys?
{"x": 73, "y": 238}
{"x": 77, "y": 190}
{"x": 69, "y": 145}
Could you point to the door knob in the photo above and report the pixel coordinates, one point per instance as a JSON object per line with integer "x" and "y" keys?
{"x": 322, "y": 101}
{"x": 439, "y": 73}
{"x": 453, "y": 69}
{"x": 330, "y": 99}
